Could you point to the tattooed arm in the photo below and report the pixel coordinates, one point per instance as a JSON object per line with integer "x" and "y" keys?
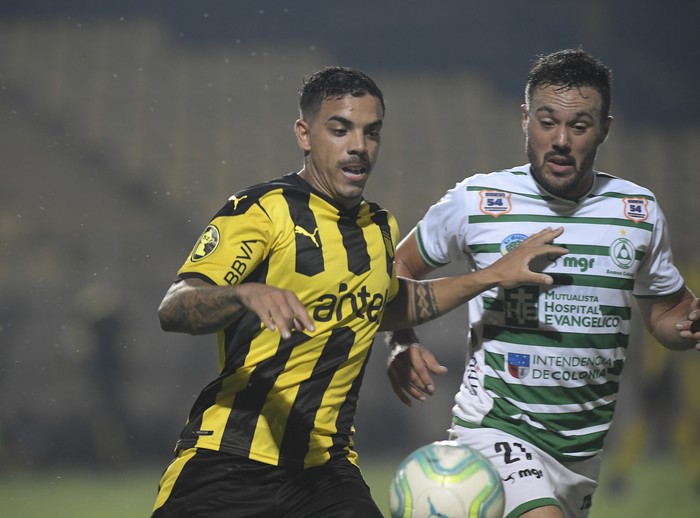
{"x": 196, "y": 307}
{"x": 420, "y": 301}
{"x": 410, "y": 365}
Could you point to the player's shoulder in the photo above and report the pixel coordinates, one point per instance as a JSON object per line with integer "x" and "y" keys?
{"x": 504, "y": 179}
{"x": 241, "y": 201}
{"x": 615, "y": 185}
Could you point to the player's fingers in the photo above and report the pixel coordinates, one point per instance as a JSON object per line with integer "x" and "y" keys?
{"x": 284, "y": 328}
{"x": 554, "y": 250}
{"x": 424, "y": 370}
{"x": 406, "y": 377}
{"x": 267, "y": 320}
{"x": 302, "y": 320}
{"x": 398, "y": 389}
{"x": 544, "y": 236}
{"x": 420, "y": 383}
{"x": 433, "y": 365}
{"x": 416, "y": 393}
{"x": 694, "y": 309}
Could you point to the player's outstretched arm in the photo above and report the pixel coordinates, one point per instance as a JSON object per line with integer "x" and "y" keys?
{"x": 197, "y": 307}
{"x": 421, "y": 301}
{"x": 411, "y": 367}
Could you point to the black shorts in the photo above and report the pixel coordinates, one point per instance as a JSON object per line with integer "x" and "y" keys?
{"x": 209, "y": 484}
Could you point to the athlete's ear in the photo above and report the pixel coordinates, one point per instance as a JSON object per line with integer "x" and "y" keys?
{"x": 302, "y": 130}
{"x": 525, "y": 117}
{"x": 606, "y": 129}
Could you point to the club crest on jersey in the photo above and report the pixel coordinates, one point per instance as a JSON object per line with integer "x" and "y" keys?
{"x": 511, "y": 242}
{"x": 518, "y": 365}
{"x": 622, "y": 252}
{"x": 495, "y": 203}
{"x": 636, "y": 209}
{"x": 207, "y": 243}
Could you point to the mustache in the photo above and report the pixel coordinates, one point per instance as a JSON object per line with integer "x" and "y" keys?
{"x": 356, "y": 162}
{"x": 559, "y": 154}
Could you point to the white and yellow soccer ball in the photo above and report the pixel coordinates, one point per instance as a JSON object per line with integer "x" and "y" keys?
{"x": 446, "y": 479}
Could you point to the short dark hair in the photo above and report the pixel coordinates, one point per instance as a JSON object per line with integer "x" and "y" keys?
{"x": 332, "y": 83}
{"x": 571, "y": 68}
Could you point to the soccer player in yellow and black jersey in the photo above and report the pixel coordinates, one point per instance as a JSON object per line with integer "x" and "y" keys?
{"x": 296, "y": 276}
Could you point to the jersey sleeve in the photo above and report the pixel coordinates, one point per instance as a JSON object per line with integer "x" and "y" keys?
{"x": 443, "y": 230}
{"x": 657, "y": 276}
{"x": 231, "y": 246}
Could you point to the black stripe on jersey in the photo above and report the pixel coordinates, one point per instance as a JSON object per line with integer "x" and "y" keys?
{"x": 381, "y": 218}
{"x": 346, "y": 414}
{"x": 309, "y": 251}
{"x": 249, "y": 402}
{"x": 298, "y": 431}
{"x": 354, "y": 243}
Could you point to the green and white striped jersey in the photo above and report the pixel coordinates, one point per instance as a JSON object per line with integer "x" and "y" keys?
{"x": 545, "y": 361}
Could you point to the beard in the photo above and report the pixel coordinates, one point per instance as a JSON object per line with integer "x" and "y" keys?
{"x": 569, "y": 187}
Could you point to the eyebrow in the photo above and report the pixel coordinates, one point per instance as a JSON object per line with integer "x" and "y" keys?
{"x": 348, "y": 123}
{"x": 579, "y": 114}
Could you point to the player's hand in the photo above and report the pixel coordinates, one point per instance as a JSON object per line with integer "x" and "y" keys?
{"x": 515, "y": 267}
{"x": 690, "y": 328}
{"x": 410, "y": 368}
{"x": 277, "y": 308}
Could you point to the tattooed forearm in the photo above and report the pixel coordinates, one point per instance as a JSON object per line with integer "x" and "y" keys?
{"x": 422, "y": 302}
{"x": 198, "y": 308}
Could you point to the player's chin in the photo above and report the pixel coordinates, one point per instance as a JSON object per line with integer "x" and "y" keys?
{"x": 356, "y": 181}
{"x": 352, "y": 193}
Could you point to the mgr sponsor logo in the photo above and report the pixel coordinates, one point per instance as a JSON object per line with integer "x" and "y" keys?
{"x": 583, "y": 264}
{"x": 524, "y": 473}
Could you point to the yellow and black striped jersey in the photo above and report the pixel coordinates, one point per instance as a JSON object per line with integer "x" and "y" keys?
{"x": 292, "y": 402}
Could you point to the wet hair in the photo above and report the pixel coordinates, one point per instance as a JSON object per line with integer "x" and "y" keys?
{"x": 571, "y": 68}
{"x": 333, "y": 83}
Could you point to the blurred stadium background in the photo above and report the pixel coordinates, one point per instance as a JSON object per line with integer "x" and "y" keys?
{"x": 125, "y": 125}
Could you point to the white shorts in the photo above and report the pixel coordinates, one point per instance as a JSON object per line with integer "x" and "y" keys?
{"x": 531, "y": 477}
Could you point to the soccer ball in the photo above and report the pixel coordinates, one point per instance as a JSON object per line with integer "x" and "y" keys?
{"x": 447, "y": 479}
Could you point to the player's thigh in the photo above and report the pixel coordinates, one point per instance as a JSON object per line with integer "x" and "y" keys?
{"x": 334, "y": 490}
{"x": 533, "y": 481}
{"x": 208, "y": 484}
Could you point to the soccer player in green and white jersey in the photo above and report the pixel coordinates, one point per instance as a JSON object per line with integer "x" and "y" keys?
{"x": 544, "y": 367}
